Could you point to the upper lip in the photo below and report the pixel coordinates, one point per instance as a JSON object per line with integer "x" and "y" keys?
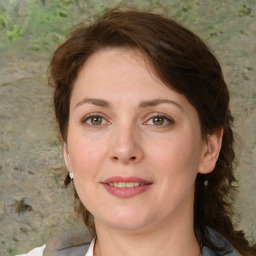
{"x": 126, "y": 179}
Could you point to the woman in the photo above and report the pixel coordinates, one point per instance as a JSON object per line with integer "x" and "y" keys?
{"x": 143, "y": 112}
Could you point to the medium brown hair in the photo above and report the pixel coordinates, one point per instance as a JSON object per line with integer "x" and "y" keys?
{"x": 184, "y": 63}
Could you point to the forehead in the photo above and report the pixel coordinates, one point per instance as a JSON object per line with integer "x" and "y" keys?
{"x": 123, "y": 74}
{"x": 117, "y": 58}
{"x": 116, "y": 65}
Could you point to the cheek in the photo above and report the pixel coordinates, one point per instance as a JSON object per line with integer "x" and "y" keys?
{"x": 85, "y": 156}
{"x": 86, "y": 160}
{"x": 176, "y": 150}
{"x": 177, "y": 157}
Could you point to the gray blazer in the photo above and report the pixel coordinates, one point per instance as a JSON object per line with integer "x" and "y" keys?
{"x": 219, "y": 241}
{"x": 52, "y": 248}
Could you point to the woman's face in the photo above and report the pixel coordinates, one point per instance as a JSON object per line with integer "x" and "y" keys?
{"x": 134, "y": 144}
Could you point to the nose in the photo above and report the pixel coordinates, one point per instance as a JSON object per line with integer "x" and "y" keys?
{"x": 127, "y": 147}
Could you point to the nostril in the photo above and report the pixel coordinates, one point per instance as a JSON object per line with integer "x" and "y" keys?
{"x": 133, "y": 158}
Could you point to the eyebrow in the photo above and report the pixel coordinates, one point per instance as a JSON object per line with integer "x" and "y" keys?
{"x": 143, "y": 104}
{"x": 155, "y": 102}
{"x": 96, "y": 102}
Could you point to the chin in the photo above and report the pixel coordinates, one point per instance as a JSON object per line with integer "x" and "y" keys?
{"x": 135, "y": 226}
{"x": 125, "y": 220}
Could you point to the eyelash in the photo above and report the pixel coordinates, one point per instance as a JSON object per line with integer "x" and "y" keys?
{"x": 160, "y": 116}
{"x": 166, "y": 118}
{"x": 89, "y": 117}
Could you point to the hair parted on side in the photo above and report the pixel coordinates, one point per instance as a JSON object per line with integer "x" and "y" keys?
{"x": 184, "y": 63}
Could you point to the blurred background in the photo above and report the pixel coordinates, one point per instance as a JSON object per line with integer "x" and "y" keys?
{"x": 34, "y": 206}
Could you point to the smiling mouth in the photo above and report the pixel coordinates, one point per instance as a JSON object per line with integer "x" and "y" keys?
{"x": 126, "y": 184}
{"x": 126, "y": 187}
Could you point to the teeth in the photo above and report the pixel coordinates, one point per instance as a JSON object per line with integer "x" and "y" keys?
{"x": 125, "y": 184}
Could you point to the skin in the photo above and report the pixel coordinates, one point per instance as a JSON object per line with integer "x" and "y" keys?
{"x": 135, "y": 134}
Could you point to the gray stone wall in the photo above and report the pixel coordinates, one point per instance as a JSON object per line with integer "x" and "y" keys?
{"x": 33, "y": 204}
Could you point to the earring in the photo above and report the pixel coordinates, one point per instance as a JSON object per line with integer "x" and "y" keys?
{"x": 206, "y": 183}
{"x": 71, "y": 175}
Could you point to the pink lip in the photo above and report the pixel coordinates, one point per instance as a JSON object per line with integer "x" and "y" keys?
{"x": 126, "y": 179}
{"x": 126, "y": 192}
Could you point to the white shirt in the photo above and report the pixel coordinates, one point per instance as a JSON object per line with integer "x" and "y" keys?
{"x": 35, "y": 252}
{"x": 40, "y": 250}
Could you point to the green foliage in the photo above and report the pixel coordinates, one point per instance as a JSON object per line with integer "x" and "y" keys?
{"x": 4, "y": 21}
{"x": 14, "y": 33}
{"x": 40, "y": 23}
{"x": 244, "y": 10}
{"x": 12, "y": 251}
{"x": 43, "y": 24}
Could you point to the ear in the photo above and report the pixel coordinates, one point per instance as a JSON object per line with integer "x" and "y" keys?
{"x": 67, "y": 157}
{"x": 211, "y": 151}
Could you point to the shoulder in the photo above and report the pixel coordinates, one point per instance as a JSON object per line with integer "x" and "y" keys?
{"x": 38, "y": 251}
{"x": 64, "y": 246}
{"x": 53, "y": 250}
{"x": 219, "y": 241}
{"x": 61, "y": 247}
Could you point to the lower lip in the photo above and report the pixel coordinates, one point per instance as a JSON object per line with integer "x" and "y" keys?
{"x": 126, "y": 192}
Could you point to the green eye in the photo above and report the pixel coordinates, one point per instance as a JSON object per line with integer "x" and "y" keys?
{"x": 96, "y": 120}
{"x": 158, "y": 120}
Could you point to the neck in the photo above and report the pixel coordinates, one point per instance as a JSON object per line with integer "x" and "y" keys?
{"x": 166, "y": 238}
